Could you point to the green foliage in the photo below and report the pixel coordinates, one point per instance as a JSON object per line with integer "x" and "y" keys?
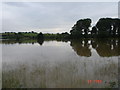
{"x": 19, "y": 35}
{"x": 112, "y": 84}
{"x": 56, "y": 36}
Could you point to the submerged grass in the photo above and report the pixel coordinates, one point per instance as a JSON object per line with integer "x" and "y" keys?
{"x": 70, "y": 74}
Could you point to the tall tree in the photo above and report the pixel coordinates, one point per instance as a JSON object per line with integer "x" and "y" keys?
{"x": 81, "y": 27}
{"x": 40, "y": 36}
{"x": 104, "y": 26}
{"x": 108, "y": 27}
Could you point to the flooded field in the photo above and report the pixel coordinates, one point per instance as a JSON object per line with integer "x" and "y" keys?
{"x": 85, "y": 63}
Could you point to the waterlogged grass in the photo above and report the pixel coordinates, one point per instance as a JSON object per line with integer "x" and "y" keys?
{"x": 0, "y": 78}
{"x": 69, "y": 74}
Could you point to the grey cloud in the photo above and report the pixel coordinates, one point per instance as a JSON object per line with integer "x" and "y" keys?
{"x": 16, "y": 4}
{"x": 52, "y": 16}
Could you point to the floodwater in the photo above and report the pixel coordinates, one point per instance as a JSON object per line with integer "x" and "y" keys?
{"x": 84, "y": 63}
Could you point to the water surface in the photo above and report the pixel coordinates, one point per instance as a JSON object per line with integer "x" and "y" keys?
{"x": 60, "y": 64}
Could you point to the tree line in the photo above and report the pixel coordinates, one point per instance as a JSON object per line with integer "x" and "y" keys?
{"x": 33, "y": 35}
{"x": 105, "y": 27}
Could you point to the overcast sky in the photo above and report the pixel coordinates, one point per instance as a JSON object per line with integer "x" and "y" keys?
{"x": 51, "y": 17}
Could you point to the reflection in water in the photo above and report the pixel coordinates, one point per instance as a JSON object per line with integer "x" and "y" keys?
{"x": 104, "y": 47}
{"x": 28, "y": 41}
{"x": 55, "y": 64}
{"x": 81, "y": 47}
{"x": 108, "y": 47}
{"x": 40, "y": 41}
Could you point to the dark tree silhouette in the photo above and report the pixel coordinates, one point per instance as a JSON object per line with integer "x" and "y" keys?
{"x": 116, "y": 26}
{"x": 94, "y": 30}
{"x": 81, "y": 27}
{"x": 104, "y": 27}
{"x": 40, "y": 36}
{"x": 108, "y": 27}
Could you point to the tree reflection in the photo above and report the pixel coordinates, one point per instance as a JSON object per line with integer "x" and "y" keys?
{"x": 108, "y": 47}
{"x": 40, "y": 41}
{"x": 29, "y": 41}
{"x": 81, "y": 47}
{"x": 104, "y": 47}
{"x": 23, "y": 41}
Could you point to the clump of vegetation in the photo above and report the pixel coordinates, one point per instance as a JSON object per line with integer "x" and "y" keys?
{"x": 81, "y": 28}
{"x": 33, "y": 35}
{"x": 105, "y": 27}
{"x": 112, "y": 84}
{"x": 108, "y": 27}
{"x": 19, "y": 35}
